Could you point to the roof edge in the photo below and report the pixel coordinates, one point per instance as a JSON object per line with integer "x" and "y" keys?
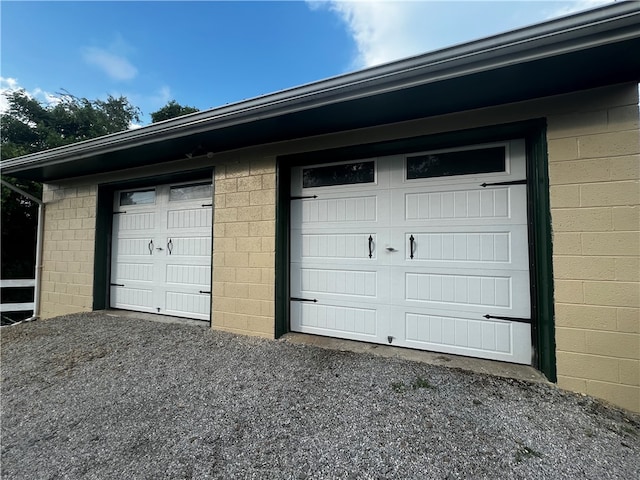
{"x": 578, "y": 31}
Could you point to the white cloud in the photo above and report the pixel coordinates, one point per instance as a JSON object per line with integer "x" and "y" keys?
{"x": 577, "y": 6}
{"x": 384, "y": 31}
{"x": 9, "y": 84}
{"x": 116, "y": 66}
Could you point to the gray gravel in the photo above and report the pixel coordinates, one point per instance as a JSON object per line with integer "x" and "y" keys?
{"x": 101, "y": 397}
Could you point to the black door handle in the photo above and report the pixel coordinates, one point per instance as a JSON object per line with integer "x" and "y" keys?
{"x": 411, "y": 244}
{"x": 370, "y": 246}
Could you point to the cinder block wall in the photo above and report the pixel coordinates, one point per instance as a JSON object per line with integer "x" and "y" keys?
{"x": 68, "y": 250}
{"x": 594, "y": 168}
{"x": 244, "y": 247}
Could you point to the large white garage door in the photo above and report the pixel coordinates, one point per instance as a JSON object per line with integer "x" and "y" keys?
{"x": 427, "y": 250}
{"x": 161, "y": 250}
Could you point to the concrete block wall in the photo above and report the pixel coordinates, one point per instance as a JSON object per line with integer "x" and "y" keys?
{"x": 68, "y": 250}
{"x": 594, "y": 169}
{"x": 244, "y": 247}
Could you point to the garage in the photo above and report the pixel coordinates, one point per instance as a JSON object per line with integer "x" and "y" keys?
{"x": 161, "y": 250}
{"x": 427, "y": 250}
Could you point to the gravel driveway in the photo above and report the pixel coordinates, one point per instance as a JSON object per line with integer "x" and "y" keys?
{"x": 103, "y": 397}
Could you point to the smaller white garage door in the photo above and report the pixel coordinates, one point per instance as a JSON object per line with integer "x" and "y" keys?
{"x": 427, "y": 251}
{"x": 161, "y": 250}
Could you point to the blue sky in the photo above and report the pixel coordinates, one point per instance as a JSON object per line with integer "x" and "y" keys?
{"x": 207, "y": 54}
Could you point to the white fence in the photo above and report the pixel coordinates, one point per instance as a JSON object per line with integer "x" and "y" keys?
{"x": 17, "y": 307}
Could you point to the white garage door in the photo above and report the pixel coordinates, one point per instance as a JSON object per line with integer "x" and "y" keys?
{"x": 427, "y": 251}
{"x": 161, "y": 250}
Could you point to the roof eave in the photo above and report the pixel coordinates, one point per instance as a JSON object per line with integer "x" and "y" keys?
{"x": 614, "y": 23}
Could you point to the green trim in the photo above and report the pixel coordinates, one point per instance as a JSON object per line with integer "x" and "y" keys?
{"x": 283, "y": 188}
{"x": 104, "y": 214}
{"x": 534, "y": 133}
{"x": 541, "y": 251}
{"x": 104, "y": 222}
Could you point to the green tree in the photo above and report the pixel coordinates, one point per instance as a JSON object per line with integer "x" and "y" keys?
{"x": 27, "y": 127}
{"x": 171, "y": 110}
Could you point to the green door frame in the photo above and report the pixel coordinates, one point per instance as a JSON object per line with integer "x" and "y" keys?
{"x": 539, "y": 218}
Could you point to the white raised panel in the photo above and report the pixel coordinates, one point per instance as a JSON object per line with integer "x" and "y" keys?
{"x": 460, "y": 332}
{"x": 342, "y": 282}
{"x": 193, "y": 304}
{"x": 127, "y": 222}
{"x": 189, "y": 274}
{"x": 189, "y": 246}
{"x": 339, "y": 210}
{"x": 335, "y": 318}
{"x": 462, "y": 247}
{"x": 342, "y": 246}
{"x": 466, "y": 335}
{"x": 142, "y": 272}
{"x": 189, "y": 218}
{"x": 457, "y": 204}
{"x": 133, "y": 297}
{"x": 459, "y": 289}
{"x": 135, "y": 247}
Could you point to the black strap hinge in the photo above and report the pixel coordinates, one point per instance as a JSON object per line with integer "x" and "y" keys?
{"x": 511, "y": 319}
{"x": 512, "y": 182}
{"x": 302, "y": 198}
{"x": 118, "y": 213}
{"x": 297, "y": 299}
{"x": 117, "y": 284}
{"x": 207, "y": 204}
{"x": 205, "y": 291}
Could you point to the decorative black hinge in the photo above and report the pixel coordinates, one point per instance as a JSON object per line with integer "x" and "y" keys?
{"x": 511, "y": 319}
{"x": 205, "y": 291}
{"x": 207, "y": 204}
{"x": 118, "y": 213}
{"x": 297, "y": 299}
{"x": 117, "y": 284}
{"x": 512, "y": 182}
{"x": 302, "y": 198}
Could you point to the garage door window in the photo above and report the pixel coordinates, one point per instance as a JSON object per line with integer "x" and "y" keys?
{"x": 138, "y": 197}
{"x": 190, "y": 192}
{"x": 343, "y": 174}
{"x": 465, "y": 162}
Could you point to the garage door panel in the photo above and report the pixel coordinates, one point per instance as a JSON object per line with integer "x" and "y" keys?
{"x": 129, "y": 222}
{"x": 352, "y": 321}
{"x": 185, "y": 304}
{"x": 189, "y": 218}
{"x": 345, "y": 283}
{"x": 335, "y": 210}
{"x": 182, "y": 274}
{"x": 466, "y": 335}
{"x": 192, "y": 246}
{"x": 489, "y": 292}
{"x": 462, "y": 206}
{"x": 133, "y": 298}
{"x": 136, "y": 271}
{"x": 494, "y": 247}
{"x": 361, "y": 246}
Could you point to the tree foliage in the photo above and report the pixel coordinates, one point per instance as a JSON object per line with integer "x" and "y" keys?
{"x": 27, "y": 127}
{"x": 172, "y": 110}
